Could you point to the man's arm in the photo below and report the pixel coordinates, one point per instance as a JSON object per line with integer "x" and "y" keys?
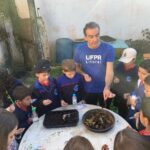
{"x": 109, "y": 74}
{"x": 78, "y": 69}
{"x": 87, "y": 78}
{"x": 108, "y": 80}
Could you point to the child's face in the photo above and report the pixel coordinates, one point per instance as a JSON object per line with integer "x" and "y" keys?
{"x": 42, "y": 77}
{"x": 11, "y": 136}
{"x": 142, "y": 73}
{"x": 69, "y": 74}
{"x": 26, "y": 101}
{"x": 147, "y": 90}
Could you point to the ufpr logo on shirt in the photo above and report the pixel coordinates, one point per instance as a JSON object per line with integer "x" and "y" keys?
{"x": 93, "y": 59}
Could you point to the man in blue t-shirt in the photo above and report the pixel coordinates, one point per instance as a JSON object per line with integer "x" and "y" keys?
{"x": 95, "y": 62}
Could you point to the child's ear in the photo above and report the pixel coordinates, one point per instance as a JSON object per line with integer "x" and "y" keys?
{"x": 37, "y": 75}
{"x": 63, "y": 71}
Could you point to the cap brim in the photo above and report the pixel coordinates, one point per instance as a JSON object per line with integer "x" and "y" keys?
{"x": 125, "y": 60}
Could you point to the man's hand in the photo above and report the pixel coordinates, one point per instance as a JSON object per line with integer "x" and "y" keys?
{"x": 63, "y": 103}
{"x": 47, "y": 102}
{"x": 107, "y": 94}
{"x": 87, "y": 78}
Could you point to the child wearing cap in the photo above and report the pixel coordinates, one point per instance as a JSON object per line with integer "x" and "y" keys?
{"x": 145, "y": 117}
{"x": 69, "y": 83}
{"x": 44, "y": 89}
{"x": 126, "y": 75}
{"x": 143, "y": 72}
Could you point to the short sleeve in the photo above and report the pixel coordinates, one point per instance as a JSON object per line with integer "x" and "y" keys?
{"x": 110, "y": 54}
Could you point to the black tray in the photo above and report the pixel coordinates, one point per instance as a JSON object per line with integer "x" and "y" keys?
{"x": 89, "y": 114}
{"x": 61, "y": 118}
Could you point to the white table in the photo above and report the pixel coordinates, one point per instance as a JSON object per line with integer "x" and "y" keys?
{"x": 56, "y": 138}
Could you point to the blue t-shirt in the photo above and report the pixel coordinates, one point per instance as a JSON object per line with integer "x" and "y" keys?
{"x": 67, "y": 87}
{"x": 41, "y": 92}
{"x": 93, "y": 62}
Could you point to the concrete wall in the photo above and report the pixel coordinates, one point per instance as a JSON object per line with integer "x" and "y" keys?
{"x": 22, "y": 8}
{"x": 118, "y": 18}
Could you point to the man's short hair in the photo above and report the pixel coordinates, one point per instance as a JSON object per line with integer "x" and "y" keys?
{"x": 90, "y": 25}
{"x": 20, "y": 92}
{"x": 68, "y": 65}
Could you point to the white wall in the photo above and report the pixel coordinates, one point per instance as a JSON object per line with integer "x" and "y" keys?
{"x": 22, "y": 8}
{"x": 118, "y": 18}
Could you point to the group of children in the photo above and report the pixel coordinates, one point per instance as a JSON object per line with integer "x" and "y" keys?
{"x": 132, "y": 88}
{"x": 45, "y": 94}
{"x": 48, "y": 93}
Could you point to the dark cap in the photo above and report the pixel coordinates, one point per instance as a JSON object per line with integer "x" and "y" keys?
{"x": 42, "y": 66}
{"x": 145, "y": 107}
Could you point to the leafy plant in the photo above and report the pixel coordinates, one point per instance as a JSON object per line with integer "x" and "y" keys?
{"x": 141, "y": 45}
